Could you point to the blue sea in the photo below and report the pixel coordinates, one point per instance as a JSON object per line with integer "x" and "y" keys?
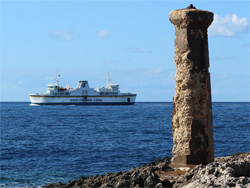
{"x": 45, "y": 144}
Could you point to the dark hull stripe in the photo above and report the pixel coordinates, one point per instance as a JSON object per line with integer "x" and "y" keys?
{"x": 87, "y": 103}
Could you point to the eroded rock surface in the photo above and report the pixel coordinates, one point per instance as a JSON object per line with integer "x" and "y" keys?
{"x": 231, "y": 171}
{"x": 192, "y": 124}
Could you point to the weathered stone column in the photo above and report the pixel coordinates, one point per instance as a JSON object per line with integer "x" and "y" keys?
{"x": 192, "y": 109}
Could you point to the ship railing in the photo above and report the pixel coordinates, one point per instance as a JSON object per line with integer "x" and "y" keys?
{"x": 39, "y": 94}
{"x": 127, "y": 93}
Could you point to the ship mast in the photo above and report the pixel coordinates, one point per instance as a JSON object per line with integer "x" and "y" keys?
{"x": 108, "y": 80}
{"x": 57, "y": 78}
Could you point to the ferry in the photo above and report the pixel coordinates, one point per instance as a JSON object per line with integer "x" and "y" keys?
{"x": 82, "y": 95}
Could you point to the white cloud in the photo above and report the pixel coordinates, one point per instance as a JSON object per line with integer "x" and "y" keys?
{"x": 63, "y": 35}
{"x": 221, "y": 57}
{"x": 171, "y": 75}
{"x": 157, "y": 70}
{"x": 228, "y": 25}
{"x": 104, "y": 33}
{"x": 20, "y": 82}
{"x": 139, "y": 50}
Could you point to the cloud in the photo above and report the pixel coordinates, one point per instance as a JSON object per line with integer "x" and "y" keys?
{"x": 20, "y": 82}
{"x": 63, "y": 35}
{"x": 171, "y": 75}
{"x": 228, "y": 25}
{"x": 104, "y": 33}
{"x": 221, "y": 57}
{"x": 157, "y": 70}
{"x": 139, "y": 50}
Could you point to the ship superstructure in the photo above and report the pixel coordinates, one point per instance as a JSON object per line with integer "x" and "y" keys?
{"x": 82, "y": 95}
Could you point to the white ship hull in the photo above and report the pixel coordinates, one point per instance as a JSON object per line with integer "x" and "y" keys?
{"x": 82, "y": 100}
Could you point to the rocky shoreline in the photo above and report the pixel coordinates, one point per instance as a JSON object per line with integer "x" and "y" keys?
{"x": 230, "y": 171}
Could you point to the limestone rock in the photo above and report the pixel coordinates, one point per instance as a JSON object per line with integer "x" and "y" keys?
{"x": 231, "y": 171}
{"x": 192, "y": 110}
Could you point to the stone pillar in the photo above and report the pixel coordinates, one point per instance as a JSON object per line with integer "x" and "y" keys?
{"x": 192, "y": 109}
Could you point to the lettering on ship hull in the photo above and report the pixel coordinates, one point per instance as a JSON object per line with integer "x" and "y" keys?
{"x": 85, "y": 100}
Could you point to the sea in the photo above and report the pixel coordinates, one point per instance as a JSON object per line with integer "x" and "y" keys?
{"x": 50, "y": 144}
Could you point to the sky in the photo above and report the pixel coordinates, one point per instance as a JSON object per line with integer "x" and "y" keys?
{"x": 133, "y": 40}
